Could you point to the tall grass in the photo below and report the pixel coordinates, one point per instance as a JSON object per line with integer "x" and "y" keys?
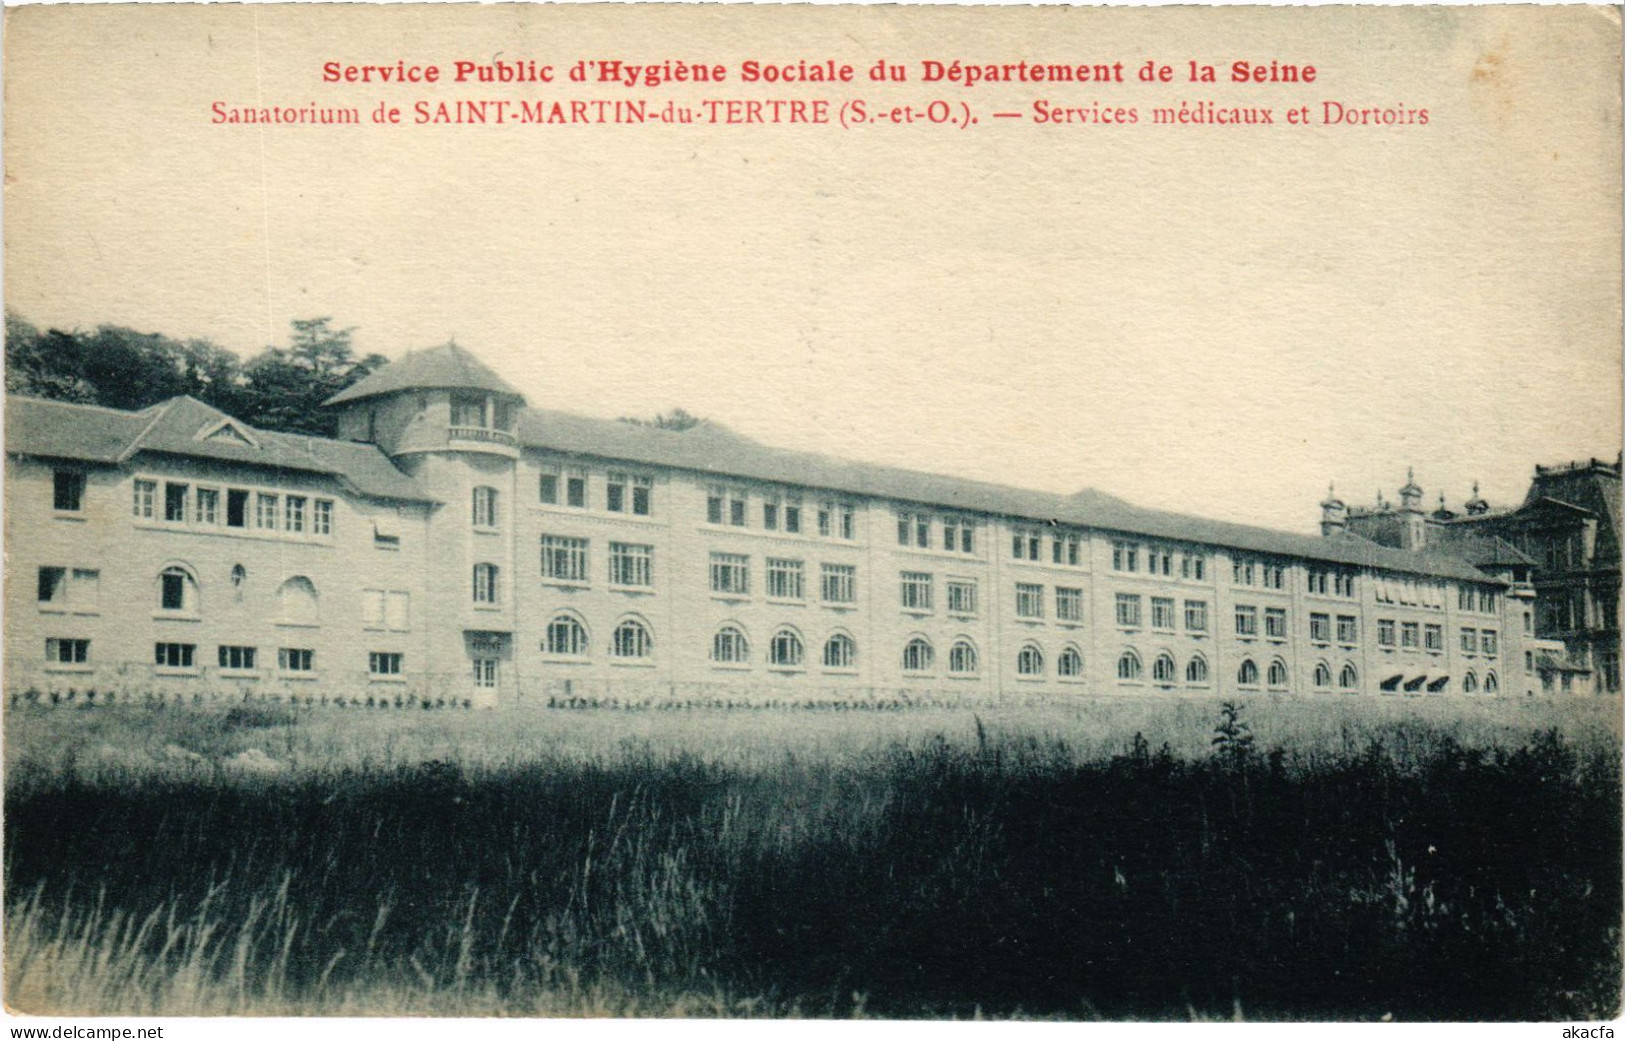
{"x": 1414, "y": 868}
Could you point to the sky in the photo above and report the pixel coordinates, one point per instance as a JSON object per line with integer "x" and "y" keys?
{"x": 1215, "y": 320}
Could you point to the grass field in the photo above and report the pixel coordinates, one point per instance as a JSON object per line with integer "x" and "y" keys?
{"x": 1348, "y": 859}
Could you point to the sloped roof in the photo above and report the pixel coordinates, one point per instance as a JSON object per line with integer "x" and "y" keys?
{"x": 1481, "y": 550}
{"x": 714, "y": 449}
{"x": 448, "y": 367}
{"x": 180, "y": 426}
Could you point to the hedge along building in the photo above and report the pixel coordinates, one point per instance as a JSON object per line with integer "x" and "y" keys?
{"x": 455, "y": 543}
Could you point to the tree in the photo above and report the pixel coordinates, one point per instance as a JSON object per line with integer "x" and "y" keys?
{"x": 285, "y": 387}
{"x": 677, "y": 419}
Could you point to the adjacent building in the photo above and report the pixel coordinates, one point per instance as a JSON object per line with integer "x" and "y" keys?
{"x": 455, "y": 543}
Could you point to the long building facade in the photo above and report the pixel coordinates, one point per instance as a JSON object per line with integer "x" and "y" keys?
{"x": 453, "y": 544}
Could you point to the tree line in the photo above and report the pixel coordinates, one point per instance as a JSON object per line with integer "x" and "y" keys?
{"x": 281, "y": 388}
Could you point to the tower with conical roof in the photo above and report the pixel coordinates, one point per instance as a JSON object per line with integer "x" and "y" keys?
{"x": 445, "y": 418}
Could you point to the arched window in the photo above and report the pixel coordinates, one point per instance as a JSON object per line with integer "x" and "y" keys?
{"x": 962, "y": 659}
{"x": 1128, "y": 666}
{"x": 1070, "y": 664}
{"x": 1164, "y": 670}
{"x": 1491, "y": 684}
{"x": 631, "y": 640}
{"x": 1349, "y": 678}
{"x": 1030, "y": 661}
{"x": 177, "y": 590}
{"x": 785, "y": 650}
{"x": 567, "y": 636}
{"x": 840, "y": 652}
{"x": 917, "y": 655}
{"x": 1469, "y": 684}
{"x": 486, "y": 588}
{"x": 1323, "y": 675}
{"x": 296, "y": 602}
{"x": 729, "y": 646}
{"x": 1247, "y": 675}
{"x": 485, "y": 507}
{"x": 1277, "y": 673}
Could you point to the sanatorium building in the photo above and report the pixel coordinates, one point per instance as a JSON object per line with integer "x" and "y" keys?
{"x": 453, "y": 543}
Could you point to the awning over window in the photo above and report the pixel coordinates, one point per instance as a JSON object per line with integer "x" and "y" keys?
{"x": 1413, "y": 685}
{"x": 1438, "y": 683}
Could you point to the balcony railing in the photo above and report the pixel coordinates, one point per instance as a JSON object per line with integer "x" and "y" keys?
{"x": 487, "y": 434}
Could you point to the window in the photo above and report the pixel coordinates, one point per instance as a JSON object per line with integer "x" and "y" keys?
{"x": 784, "y": 579}
{"x": 486, "y": 588}
{"x": 293, "y": 517}
{"x": 61, "y": 650}
{"x": 265, "y": 511}
{"x": 1246, "y": 620}
{"x": 1125, "y": 556}
{"x": 826, "y": 519}
{"x": 1385, "y": 632}
{"x": 1348, "y": 630}
{"x": 567, "y": 637}
{"x": 1318, "y": 580}
{"x": 549, "y": 487}
{"x": 950, "y": 533}
{"x": 1275, "y": 623}
{"x": 1277, "y": 676}
{"x": 1128, "y": 610}
{"x": 962, "y": 596}
{"x": 1069, "y": 605}
{"x": 1128, "y": 666}
{"x": 575, "y": 489}
{"x": 785, "y": 650}
{"x": 1469, "y": 683}
{"x": 1433, "y": 637}
{"x": 384, "y": 663}
{"x": 922, "y": 530}
{"x": 729, "y": 646}
{"x": 485, "y": 507}
{"x": 1241, "y": 572}
{"x": 1066, "y": 549}
{"x": 1489, "y": 643}
{"x": 770, "y": 515}
{"x": 962, "y": 660}
{"x": 53, "y": 586}
{"x": 1196, "y": 670}
{"x": 1247, "y": 675}
{"x": 236, "y": 508}
{"x": 840, "y": 583}
{"x": 177, "y": 590}
{"x": 485, "y": 673}
{"x": 1274, "y": 576}
{"x": 631, "y": 640}
{"x": 1162, "y": 612}
{"x": 736, "y": 510}
{"x": 643, "y": 493}
{"x": 1343, "y": 584}
{"x": 1320, "y": 627}
{"x": 1030, "y": 661}
{"x": 144, "y": 493}
{"x": 1029, "y": 600}
{"x": 236, "y": 659}
{"x": 1410, "y": 636}
{"x": 67, "y": 490}
{"x": 849, "y": 525}
{"x": 467, "y": 411}
{"x": 296, "y": 602}
{"x": 1323, "y": 675}
{"x": 175, "y": 496}
{"x": 1491, "y": 684}
{"x": 1160, "y": 562}
{"x": 631, "y": 564}
{"x": 1196, "y": 616}
{"x": 1349, "y": 678}
{"x": 1069, "y": 666}
{"x": 1193, "y": 566}
{"x": 917, "y": 655}
{"x": 564, "y": 559}
{"x": 792, "y": 515}
{"x": 840, "y": 652}
{"x": 206, "y": 507}
{"x": 1486, "y": 601}
{"x": 916, "y": 590}
{"x": 615, "y": 493}
{"x": 714, "y": 498}
{"x": 1163, "y": 670}
{"x": 730, "y": 574}
{"x": 295, "y": 659}
{"x": 174, "y": 655}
